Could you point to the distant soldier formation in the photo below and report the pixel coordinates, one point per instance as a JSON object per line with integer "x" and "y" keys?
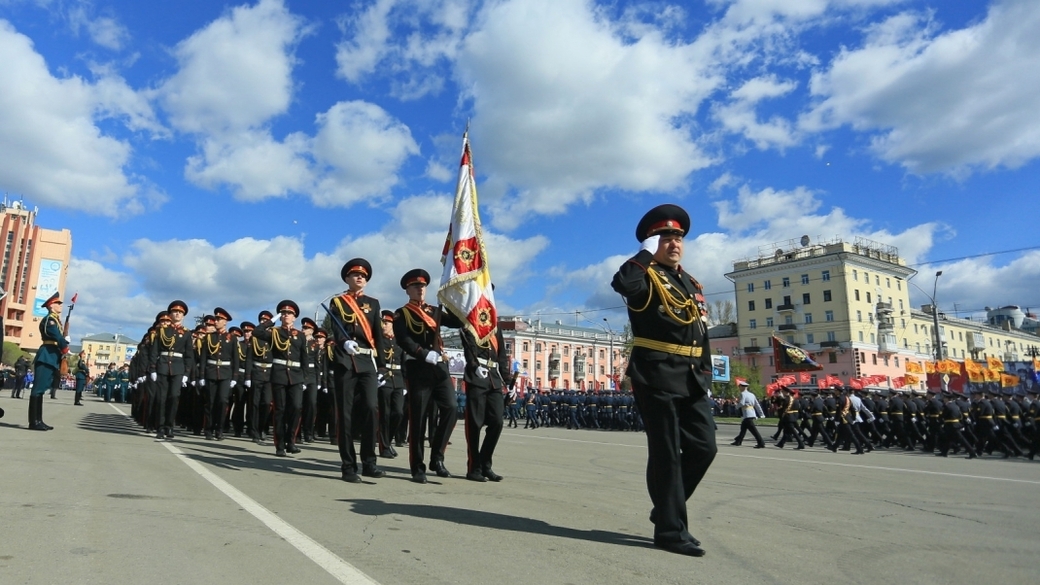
{"x": 579, "y": 409}
{"x": 1001, "y": 423}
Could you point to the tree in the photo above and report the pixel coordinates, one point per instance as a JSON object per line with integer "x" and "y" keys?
{"x": 721, "y": 311}
{"x": 740, "y": 370}
{"x": 12, "y": 352}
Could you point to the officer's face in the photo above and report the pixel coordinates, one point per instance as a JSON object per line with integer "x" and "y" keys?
{"x": 288, "y": 318}
{"x": 669, "y": 250}
{"x": 417, "y": 293}
{"x": 356, "y": 281}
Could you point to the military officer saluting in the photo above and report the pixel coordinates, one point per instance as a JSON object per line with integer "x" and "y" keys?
{"x": 357, "y": 355}
{"x": 47, "y": 362}
{"x": 670, "y": 368}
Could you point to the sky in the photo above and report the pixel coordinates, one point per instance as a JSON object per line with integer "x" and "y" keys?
{"x": 237, "y": 154}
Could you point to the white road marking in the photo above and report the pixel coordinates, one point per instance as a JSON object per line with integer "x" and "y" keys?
{"x": 789, "y": 460}
{"x": 340, "y": 569}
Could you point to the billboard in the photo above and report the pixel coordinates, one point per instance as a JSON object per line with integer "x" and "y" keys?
{"x": 720, "y": 368}
{"x": 46, "y": 284}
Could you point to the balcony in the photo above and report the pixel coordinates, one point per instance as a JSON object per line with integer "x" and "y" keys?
{"x": 788, "y": 327}
{"x": 829, "y": 344}
{"x": 785, "y": 307}
{"x": 752, "y": 349}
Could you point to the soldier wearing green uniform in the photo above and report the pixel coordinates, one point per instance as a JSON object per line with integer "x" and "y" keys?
{"x": 52, "y": 350}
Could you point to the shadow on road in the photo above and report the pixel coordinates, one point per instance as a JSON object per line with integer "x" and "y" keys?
{"x": 496, "y": 521}
{"x": 231, "y": 456}
{"x": 108, "y": 423}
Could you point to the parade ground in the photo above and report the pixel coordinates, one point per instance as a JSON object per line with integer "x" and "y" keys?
{"x": 98, "y": 501}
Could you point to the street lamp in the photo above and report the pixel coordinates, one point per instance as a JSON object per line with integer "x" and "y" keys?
{"x": 935, "y": 318}
{"x": 610, "y": 336}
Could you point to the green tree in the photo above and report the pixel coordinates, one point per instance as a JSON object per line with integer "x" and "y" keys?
{"x": 12, "y": 352}
{"x": 740, "y": 370}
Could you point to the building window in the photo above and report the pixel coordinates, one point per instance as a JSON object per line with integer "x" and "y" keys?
{"x": 767, "y": 285}
{"x": 808, "y": 318}
{"x": 769, "y": 321}
{"x": 877, "y": 280}
{"x": 753, "y": 324}
{"x": 900, "y": 304}
{"x": 601, "y": 370}
{"x": 538, "y": 365}
{"x": 526, "y": 347}
{"x": 868, "y": 297}
{"x": 787, "y": 300}
{"x": 859, "y": 317}
{"x": 769, "y": 303}
{"x": 855, "y": 275}
{"x": 754, "y": 342}
{"x": 870, "y": 317}
{"x": 874, "y": 356}
{"x": 899, "y": 284}
{"x": 902, "y": 323}
{"x": 526, "y": 365}
{"x": 567, "y": 350}
{"x": 788, "y": 320}
{"x": 809, "y": 338}
{"x": 831, "y": 336}
{"x": 538, "y": 347}
{"x": 805, "y": 279}
{"x": 805, "y": 298}
{"x": 786, "y": 282}
{"x": 826, "y": 296}
{"x": 855, "y": 294}
{"x": 888, "y": 282}
{"x": 751, "y": 305}
{"x": 566, "y": 366}
{"x": 826, "y": 275}
{"x": 789, "y": 339}
{"x": 751, "y": 287}
{"x": 828, "y": 316}
{"x": 861, "y": 336}
{"x": 833, "y": 357}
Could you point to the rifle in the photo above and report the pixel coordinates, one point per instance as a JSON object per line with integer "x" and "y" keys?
{"x": 64, "y": 368}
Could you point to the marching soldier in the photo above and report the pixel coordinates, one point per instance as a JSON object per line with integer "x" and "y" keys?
{"x": 240, "y": 397}
{"x": 358, "y": 353}
{"x": 82, "y": 374}
{"x": 171, "y": 359}
{"x": 258, "y": 369}
{"x": 310, "y": 376}
{"x": 288, "y": 364}
{"x": 391, "y": 389}
{"x": 220, "y": 355}
{"x": 417, "y": 332}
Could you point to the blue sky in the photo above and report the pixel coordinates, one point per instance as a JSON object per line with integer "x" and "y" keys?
{"x": 236, "y": 154}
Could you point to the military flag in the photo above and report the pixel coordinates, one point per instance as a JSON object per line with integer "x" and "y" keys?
{"x": 790, "y": 358}
{"x": 994, "y": 363}
{"x": 465, "y": 288}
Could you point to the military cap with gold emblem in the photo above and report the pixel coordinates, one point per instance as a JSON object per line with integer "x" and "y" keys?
{"x": 663, "y": 219}
{"x": 178, "y": 305}
{"x": 415, "y": 276}
{"x": 235, "y": 331}
{"x": 288, "y": 306}
{"x": 387, "y": 316}
{"x": 265, "y": 315}
{"x": 247, "y": 326}
{"x": 358, "y": 265}
{"x": 308, "y": 322}
{"x": 220, "y": 313}
{"x": 54, "y": 299}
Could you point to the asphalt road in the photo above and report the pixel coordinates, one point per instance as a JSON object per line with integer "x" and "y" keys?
{"x": 98, "y": 501}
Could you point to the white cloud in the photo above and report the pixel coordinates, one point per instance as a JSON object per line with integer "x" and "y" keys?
{"x": 235, "y": 74}
{"x": 406, "y": 40}
{"x": 739, "y": 114}
{"x": 947, "y": 102}
{"x": 53, "y": 151}
{"x": 564, "y": 106}
{"x": 106, "y": 31}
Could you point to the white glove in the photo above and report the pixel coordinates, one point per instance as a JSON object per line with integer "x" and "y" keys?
{"x": 351, "y": 347}
{"x": 184, "y": 380}
{"x": 324, "y": 390}
{"x": 482, "y": 372}
{"x": 650, "y": 244}
{"x": 202, "y": 382}
{"x": 249, "y": 383}
{"x": 432, "y": 357}
{"x": 152, "y": 376}
{"x": 380, "y": 379}
{"x": 233, "y": 383}
{"x": 68, "y": 339}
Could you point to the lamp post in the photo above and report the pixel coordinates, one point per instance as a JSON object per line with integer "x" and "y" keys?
{"x": 610, "y": 337}
{"x": 935, "y": 318}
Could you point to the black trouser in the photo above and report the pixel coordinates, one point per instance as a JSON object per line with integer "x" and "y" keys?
{"x": 361, "y": 387}
{"x": 260, "y": 407}
{"x": 953, "y": 434}
{"x": 216, "y": 406}
{"x": 680, "y": 436}
{"x": 747, "y": 425}
{"x": 391, "y": 410}
{"x": 429, "y": 395}
{"x": 288, "y": 401}
{"x": 790, "y": 429}
{"x": 167, "y": 396}
{"x": 818, "y": 429}
{"x": 239, "y": 406}
{"x": 310, "y": 410}
{"x": 896, "y": 431}
{"x": 857, "y": 431}
{"x": 847, "y": 437}
{"x": 80, "y": 383}
{"x": 484, "y": 408}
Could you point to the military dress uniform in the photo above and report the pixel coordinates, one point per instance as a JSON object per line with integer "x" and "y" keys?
{"x": 391, "y": 392}
{"x": 82, "y": 374}
{"x": 258, "y": 371}
{"x": 47, "y": 363}
{"x": 220, "y": 359}
{"x": 288, "y": 364}
{"x": 171, "y": 360}
{"x": 310, "y": 381}
{"x": 357, "y": 356}
{"x": 430, "y": 387}
{"x": 670, "y": 369}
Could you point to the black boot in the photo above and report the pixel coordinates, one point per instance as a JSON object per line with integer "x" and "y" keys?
{"x": 39, "y": 414}
{"x": 34, "y": 415}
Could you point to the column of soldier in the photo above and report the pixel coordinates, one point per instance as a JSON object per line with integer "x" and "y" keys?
{"x": 377, "y": 376}
{"x": 577, "y": 409}
{"x": 997, "y": 423}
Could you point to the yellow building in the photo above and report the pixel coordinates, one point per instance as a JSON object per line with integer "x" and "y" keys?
{"x": 848, "y": 303}
{"x": 108, "y": 348}
{"x": 34, "y": 266}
